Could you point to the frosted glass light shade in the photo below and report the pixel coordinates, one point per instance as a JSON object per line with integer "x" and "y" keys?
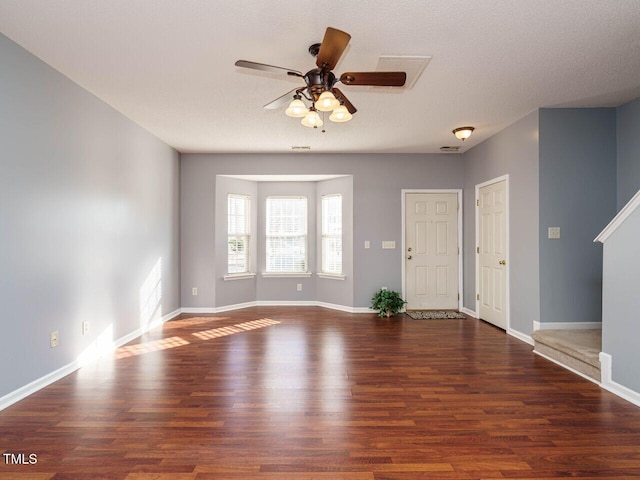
{"x": 340, "y": 114}
{"x": 327, "y": 102}
{"x": 312, "y": 119}
{"x": 296, "y": 109}
{"x": 463, "y": 132}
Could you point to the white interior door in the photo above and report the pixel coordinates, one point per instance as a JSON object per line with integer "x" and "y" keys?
{"x": 431, "y": 251}
{"x": 492, "y": 253}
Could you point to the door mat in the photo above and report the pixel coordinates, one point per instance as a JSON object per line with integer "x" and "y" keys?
{"x": 434, "y": 314}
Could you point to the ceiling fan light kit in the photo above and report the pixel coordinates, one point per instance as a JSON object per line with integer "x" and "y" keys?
{"x": 327, "y": 102}
{"x": 463, "y": 133}
{"x": 312, "y": 120}
{"x": 297, "y": 108}
{"x": 340, "y": 115}
{"x": 320, "y": 82}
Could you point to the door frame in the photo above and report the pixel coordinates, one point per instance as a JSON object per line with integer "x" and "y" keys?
{"x": 504, "y": 178}
{"x": 458, "y": 192}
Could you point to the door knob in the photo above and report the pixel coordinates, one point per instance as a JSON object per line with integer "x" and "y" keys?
{"x": 409, "y": 249}
{"x": 502, "y": 262}
{"x": 409, "y": 257}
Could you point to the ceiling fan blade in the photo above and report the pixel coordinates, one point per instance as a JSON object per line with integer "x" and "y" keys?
{"x": 267, "y": 68}
{"x": 331, "y": 48}
{"x": 278, "y": 102}
{"x": 340, "y": 96}
{"x": 378, "y": 79}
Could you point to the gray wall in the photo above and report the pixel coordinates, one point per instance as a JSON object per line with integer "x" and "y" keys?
{"x": 577, "y": 194}
{"x": 628, "y": 150}
{"x": 232, "y": 292}
{"x": 377, "y": 184}
{"x": 337, "y": 292}
{"x": 278, "y": 288}
{"x": 621, "y": 302}
{"x": 513, "y": 151}
{"x": 88, "y": 208}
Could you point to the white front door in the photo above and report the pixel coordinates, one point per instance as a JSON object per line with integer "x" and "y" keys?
{"x": 492, "y": 253}
{"x": 431, "y": 251}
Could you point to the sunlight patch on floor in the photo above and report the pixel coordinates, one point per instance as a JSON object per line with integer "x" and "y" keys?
{"x": 237, "y": 328}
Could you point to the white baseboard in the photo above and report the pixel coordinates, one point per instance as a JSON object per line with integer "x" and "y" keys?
{"x": 277, "y": 303}
{"x": 23, "y": 392}
{"x": 287, "y": 303}
{"x": 566, "y": 325}
{"x": 468, "y": 311}
{"x": 520, "y": 336}
{"x": 593, "y": 380}
{"x": 91, "y": 354}
{"x": 606, "y": 363}
{"x": 198, "y": 310}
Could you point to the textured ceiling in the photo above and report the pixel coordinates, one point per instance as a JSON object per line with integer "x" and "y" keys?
{"x": 169, "y": 65}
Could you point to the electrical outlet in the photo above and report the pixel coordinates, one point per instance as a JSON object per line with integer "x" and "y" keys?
{"x": 367, "y": 244}
{"x": 194, "y": 291}
{"x": 299, "y": 287}
{"x": 85, "y": 328}
{"x": 53, "y": 339}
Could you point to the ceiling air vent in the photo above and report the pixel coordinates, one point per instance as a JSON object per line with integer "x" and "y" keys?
{"x": 449, "y": 149}
{"x": 300, "y": 148}
{"x": 412, "y": 64}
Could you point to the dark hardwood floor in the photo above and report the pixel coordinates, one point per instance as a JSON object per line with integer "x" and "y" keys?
{"x": 310, "y": 393}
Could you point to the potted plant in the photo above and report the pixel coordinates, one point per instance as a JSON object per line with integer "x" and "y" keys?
{"x": 387, "y": 302}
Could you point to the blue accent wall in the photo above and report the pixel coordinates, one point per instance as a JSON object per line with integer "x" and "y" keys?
{"x": 628, "y": 133}
{"x": 577, "y": 194}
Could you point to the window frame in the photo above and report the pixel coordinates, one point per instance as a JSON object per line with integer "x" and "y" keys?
{"x": 304, "y": 234}
{"x": 326, "y": 235}
{"x": 245, "y": 235}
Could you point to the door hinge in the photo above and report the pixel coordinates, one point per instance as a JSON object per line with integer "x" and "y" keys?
{"x": 458, "y": 250}
{"x": 478, "y": 297}
{"x": 478, "y": 202}
{"x": 477, "y": 249}
{"x": 458, "y": 296}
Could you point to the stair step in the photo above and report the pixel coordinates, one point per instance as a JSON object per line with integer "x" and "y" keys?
{"x": 576, "y": 349}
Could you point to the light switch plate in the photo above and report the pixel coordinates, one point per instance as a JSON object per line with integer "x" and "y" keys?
{"x": 388, "y": 244}
{"x": 554, "y": 232}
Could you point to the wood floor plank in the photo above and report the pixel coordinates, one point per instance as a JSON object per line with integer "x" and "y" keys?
{"x": 307, "y": 393}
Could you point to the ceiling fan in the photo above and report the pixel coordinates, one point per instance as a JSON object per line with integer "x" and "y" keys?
{"x": 319, "y": 88}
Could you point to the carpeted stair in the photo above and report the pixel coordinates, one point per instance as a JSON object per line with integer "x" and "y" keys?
{"x": 576, "y": 349}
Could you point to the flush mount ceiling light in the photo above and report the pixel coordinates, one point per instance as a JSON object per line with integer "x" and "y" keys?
{"x": 463, "y": 133}
{"x": 319, "y": 89}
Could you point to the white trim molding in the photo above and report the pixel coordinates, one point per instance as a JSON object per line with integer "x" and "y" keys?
{"x": 520, "y": 336}
{"x": 567, "y": 326}
{"x": 330, "y": 276}
{"x": 619, "y": 219}
{"x": 286, "y": 274}
{"x": 468, "y": 311}
{"x": 606, "y": 364}
{"x": 277, "y": 303}
{"x": 92, "y": 353}
{"x": 238, "y": 276}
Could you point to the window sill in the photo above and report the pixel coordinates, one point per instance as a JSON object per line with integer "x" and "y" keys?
{"x": 238, "y": 276}
{"x": 286, "y": 275}
{"x": 331, "y": 276}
